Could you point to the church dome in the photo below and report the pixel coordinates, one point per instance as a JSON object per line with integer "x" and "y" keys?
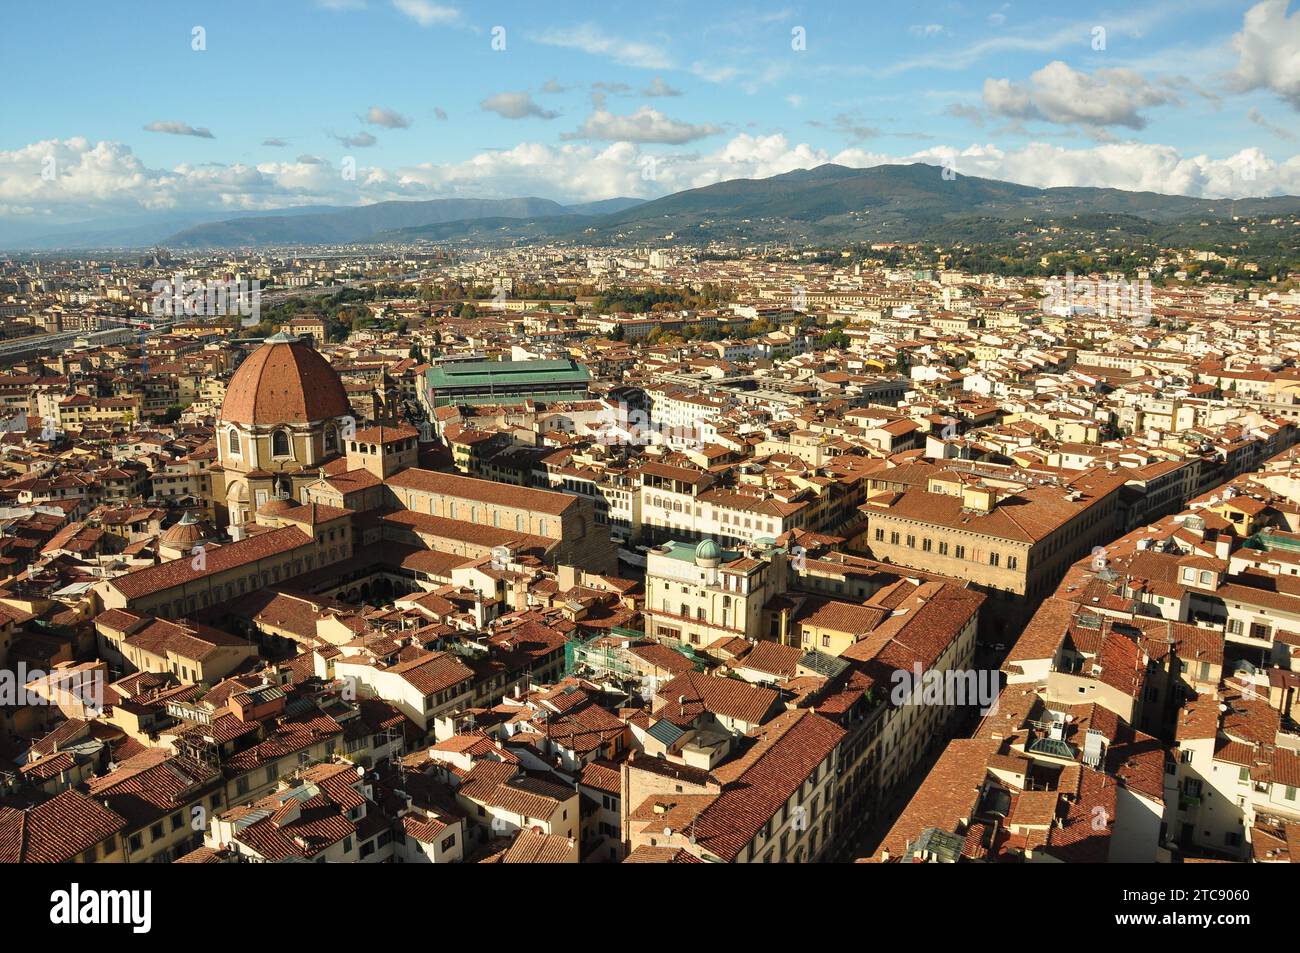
{"x": 708, "y": 553}
{"x": 285, "y": 381}
{"x": 186, "y": 533}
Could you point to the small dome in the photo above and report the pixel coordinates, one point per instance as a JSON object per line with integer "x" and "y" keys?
{"x": 188, "y": 532}
{"x": 708, "y": 551}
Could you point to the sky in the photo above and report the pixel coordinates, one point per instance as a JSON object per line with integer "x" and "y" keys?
{"x": 124, "y": 110}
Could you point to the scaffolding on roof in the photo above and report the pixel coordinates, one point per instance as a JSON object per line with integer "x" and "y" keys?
{"x": 617, "y": 660}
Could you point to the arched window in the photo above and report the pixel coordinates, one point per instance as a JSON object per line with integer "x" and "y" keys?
{"x": 233, "y": 440}
{"x": 331, "y": 440}
{"x": 280, "y": 443}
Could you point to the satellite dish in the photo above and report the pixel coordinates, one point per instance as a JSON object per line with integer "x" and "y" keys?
{"x": 668, "y": 832}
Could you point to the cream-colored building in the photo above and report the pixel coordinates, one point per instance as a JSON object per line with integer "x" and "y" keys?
{"x": 697, "y": 594}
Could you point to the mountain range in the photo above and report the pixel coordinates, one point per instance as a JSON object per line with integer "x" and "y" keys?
{"x": 830, "y": 203}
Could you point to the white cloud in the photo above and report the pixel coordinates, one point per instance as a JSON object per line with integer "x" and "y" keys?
{"x": 106, "y": 177}
{"x": 1135, "y": 166}
{"x": 1034, "y": 38}
{"x": 362, "y": 140}
{"x": 1259, "y": 119}
{"x": 1059, "y": 94}
{"x": 713, "y": 72}
{"x": 1268, "y": 50}
{"x": 925, "y": 29}
{"x": 427, "y": 13}
{"x": 515, "y": 106}
{"x": 660, "y": 88}
{"x": 174, "y": 128}
{"x": 388, "y": 118}
{"x": 592, "y": 39}
{"x": 963, "y": 111}
{"x": 644, "y": 125}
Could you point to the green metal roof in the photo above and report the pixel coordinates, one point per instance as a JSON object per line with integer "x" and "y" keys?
{"x": 1266, "y": 539}
{"x": 1052, "y": 747}
{"x": 665, "y": 731}
{"x": 944, "y": 845}
{"x": 686, "y": 552}
{"x": 506, "y": 373}
{"x": 823, "y": 664}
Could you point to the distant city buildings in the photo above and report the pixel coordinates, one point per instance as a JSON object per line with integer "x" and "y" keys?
{"x": 647, "y": 554}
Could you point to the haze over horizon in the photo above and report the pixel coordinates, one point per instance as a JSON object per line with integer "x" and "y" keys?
{"x": 416, "y": 100}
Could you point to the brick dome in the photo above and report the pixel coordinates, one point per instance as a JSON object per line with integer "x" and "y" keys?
{"x": 188, "y": 532}
{"x": 285, "y": 381}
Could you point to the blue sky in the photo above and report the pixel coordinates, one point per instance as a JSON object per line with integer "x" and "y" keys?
{"x": 588, "y": 101}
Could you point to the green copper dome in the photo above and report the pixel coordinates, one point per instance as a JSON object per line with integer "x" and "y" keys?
{"x": 708, "y": 550}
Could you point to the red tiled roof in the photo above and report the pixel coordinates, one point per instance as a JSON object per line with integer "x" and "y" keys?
{"x": 284, "y": 382}
{"x": 484, "y": 491}
{"x": 151, "y": 579}
{"x": 55, "y": 831}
